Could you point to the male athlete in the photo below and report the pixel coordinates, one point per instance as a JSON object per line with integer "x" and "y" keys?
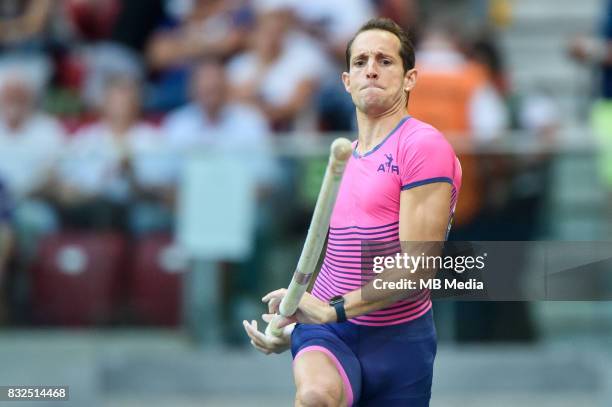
{"x": 401, "y": 183}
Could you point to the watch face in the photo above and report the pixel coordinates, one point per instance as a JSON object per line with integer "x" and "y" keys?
{"x": 336, "y": 299}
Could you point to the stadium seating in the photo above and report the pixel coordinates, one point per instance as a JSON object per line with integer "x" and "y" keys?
{"x": 155, "y": 281}
{"x": 77, "y": 278}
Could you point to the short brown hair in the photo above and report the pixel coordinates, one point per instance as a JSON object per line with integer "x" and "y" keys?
{"x": 385, "y": 24}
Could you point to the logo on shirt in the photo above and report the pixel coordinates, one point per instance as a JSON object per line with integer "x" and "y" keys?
{"x": 388, "y": 167}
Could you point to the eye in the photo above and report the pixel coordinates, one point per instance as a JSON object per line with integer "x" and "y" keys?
{"x": 358, "y": 62}
{"x": 386, "y": 62}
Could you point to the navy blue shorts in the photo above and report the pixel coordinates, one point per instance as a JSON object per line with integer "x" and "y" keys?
{"x": 380, "y": 366}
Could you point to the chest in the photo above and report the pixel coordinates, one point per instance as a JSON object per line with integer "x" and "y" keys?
{"x": 370, "y": 191}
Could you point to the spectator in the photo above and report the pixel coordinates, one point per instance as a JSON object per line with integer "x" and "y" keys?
{"x": 456, "y": 95}
{"x": 23, "y": 44}
{"x": 211, "y": 120}
{"x": 129, "y": 23}
{"x": 280, "y": 72}
{"x": 111, "y": 162}
{"x": 116, "y": 33}
{"x": 208, "y": 28}
{"x": 22, "y": 22}
{"x": 333, "y": 23}
{"x": 484, "y": 49}
{"x": 212, "y": 28}
{"x": 405, "y": 13}
{"x": 30, "y": 145}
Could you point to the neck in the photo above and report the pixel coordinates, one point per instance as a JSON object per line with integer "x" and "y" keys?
{"x": 373, "y": 128}
{"x": 14, "y": 123}
{"x": 213, "y": 113}
{"x": 120, "y": 127}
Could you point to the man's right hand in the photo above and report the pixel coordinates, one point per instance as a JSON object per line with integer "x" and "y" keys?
{"x": 268, "y": 344}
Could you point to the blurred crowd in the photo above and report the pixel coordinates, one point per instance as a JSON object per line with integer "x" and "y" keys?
{"x": 99, "y": 100}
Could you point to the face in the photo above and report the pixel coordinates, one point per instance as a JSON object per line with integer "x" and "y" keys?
{"x": 122, "y": 102}
{"x": 376, "y": 79}
{"x": 15, "y": 103}
{"x": 210, "y": 86}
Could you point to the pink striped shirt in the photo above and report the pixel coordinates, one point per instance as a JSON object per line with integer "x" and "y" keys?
{"x": 367, "y": 211}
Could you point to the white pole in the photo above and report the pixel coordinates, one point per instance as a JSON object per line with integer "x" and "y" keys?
{"x": 341, "y": 150}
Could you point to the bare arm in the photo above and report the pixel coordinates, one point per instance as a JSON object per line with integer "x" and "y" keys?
{"x": 30, "y": 23}
{"x": 424, "y": 215}
{"x": 172, "y": 48}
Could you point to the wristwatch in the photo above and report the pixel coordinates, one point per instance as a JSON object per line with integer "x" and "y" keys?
{"x": 338, "y": 303}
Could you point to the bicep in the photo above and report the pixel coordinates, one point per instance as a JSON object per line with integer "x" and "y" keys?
{"x": 425, "y": 212}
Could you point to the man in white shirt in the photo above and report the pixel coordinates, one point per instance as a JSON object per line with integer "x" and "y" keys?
{"x": 30, "y": 141}
{"x": 113, "y": 161}
{"x": 212, "y": 121}
{"x": 30, "y": 145}
{"x": 280, "y": 72}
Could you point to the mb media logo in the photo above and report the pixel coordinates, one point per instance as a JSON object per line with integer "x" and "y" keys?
{"x": 388, "y": 166}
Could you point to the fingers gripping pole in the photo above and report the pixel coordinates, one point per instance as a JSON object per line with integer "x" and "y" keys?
{"x": 341, "y": 150}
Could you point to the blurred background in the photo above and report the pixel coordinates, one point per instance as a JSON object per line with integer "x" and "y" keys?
{"x": 160, "y": 159}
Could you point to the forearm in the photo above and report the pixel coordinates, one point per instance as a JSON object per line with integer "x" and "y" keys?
{"x": 295, "y": 105}
{"x": 27, "y": 24}
{"x": 170, "y": 49}
{"x": 387, "y": 288}
{"x": 356, "y": 305}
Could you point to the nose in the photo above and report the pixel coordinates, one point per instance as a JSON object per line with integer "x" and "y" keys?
{"x": 371, "y": 72}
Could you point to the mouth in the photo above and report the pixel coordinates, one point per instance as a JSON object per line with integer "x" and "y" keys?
{"x": 372, "y": 87}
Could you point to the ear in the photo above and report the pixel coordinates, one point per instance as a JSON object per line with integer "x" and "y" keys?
{"x": 410, "y": 80}
{"x": 346, "y": 80}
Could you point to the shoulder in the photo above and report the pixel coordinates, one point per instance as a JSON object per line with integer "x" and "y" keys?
{"x": 189, "y": 110}
{"x": 181, "y": 116}
{"x": 418, "y": 133}
{"x": 143, "y": 133}
{"x": 244, "y": 112}
{"x": 88, "y": 137}
{"x": 48, "y": 124}
{"x": 246, "y": 117}
{"x": 90, "y": 130}
{"x": 183, "y": 126}
{"x": 145, "y": 129}
{"x": 418, "y": 138}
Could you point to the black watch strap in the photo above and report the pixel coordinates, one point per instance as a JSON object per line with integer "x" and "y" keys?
{"x": 338, "y": 303}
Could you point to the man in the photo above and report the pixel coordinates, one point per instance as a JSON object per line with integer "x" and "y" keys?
{"x": 280, "y": 71}
{"x": 455, "y": 94}
{"x": 114, "y": 163}
{"x": 30, "y": 146}
{"x": 213, "y": 121}
{"x": 401, "y": 183}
